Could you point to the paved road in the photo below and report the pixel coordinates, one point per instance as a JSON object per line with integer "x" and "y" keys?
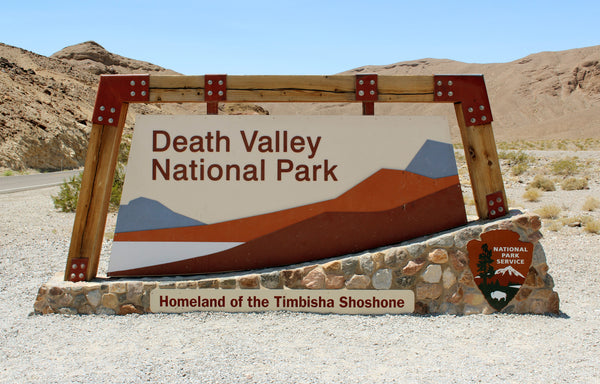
{"x": 9, "y": 184}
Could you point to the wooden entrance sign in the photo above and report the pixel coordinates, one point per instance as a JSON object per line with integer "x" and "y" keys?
{"x": 467, "y": 92}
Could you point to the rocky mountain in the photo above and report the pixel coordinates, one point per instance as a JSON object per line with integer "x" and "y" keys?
{"x": 548, "y": 95}
{"x": 46, "y": 102}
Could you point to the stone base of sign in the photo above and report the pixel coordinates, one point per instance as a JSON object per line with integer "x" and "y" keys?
{"x": 435, "y": 269}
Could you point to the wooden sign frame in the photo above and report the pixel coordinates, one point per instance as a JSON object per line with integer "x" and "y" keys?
{"x": 468, "y": 93}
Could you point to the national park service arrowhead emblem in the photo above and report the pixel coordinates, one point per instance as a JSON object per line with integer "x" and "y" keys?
{"x": 499, "y": 263}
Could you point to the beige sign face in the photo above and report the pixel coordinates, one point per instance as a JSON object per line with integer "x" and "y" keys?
{"x": 260, "y": 300}
{"x": 200, "y": 165}
{"x": 208, "y": 194}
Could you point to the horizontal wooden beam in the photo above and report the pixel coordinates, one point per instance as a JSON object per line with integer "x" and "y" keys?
{"x": 337, "y": 88}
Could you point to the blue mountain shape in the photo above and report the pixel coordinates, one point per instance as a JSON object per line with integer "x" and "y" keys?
{"x": 435, "y": 160}
{"x": 143, "y": 214}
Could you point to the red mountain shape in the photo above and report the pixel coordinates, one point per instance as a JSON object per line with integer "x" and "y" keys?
{"x": 326, "y": 235}
{"x": 384, "y": 190}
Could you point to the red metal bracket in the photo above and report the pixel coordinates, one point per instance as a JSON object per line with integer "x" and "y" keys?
{"x": 113, "y": 91}
{"x": 367, "y": 92}
{"x": 215, "y": 87}
{"x": 366, "y": 87}
{"x": 77, "y": 270}
{"x": 496, "y": 205}
{"x": 215, "y": 90}
{"x": 470, "y": 91}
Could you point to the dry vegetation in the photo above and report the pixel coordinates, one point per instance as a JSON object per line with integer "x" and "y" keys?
{"x": 557, "y": 179}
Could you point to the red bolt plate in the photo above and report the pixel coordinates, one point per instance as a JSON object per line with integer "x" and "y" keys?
{"x": 113, "y": 91}
{"x": 78, "y": 270}
{"x": 215, "y": 87}
{"x": 496, "y": 205}
{"x": 366, "y": 87}
{"x": 470, "y": 91}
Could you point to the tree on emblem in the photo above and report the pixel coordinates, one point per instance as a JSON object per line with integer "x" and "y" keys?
{"x": 484, "y": 266}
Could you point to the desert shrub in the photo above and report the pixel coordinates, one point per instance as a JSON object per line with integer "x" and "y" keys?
{"x": 591, "y": 203}
{"x": 543, "y": 183}
{"x": 66, "y": 199}
{"x": 592, "y": 226}
{"x": 117, "y": 187}
{"x": 519, "y": 169}
{"x": 549, "y": 211}
{"x": 518, "y": 161}
{"x": 565, "y": 167}
{"x": 532, "y": 194}
{"x": 574, "y": 184}
{"x": 8, "y": 172}
{"x": 554, "y": 225}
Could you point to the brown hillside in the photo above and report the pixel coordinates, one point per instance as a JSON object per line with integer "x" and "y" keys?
{"x": 546, "y": 95}
{"x": 46, "y": 102}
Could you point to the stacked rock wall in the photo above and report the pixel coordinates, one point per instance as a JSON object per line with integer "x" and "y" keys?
{"x": 436, "y": 269}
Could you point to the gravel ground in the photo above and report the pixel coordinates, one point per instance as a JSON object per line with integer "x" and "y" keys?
{"x": 289, "y": 347}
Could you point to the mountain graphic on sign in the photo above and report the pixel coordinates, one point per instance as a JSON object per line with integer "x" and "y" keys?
{"x": 143, "y": 214}
{"x": 510, "y": 271}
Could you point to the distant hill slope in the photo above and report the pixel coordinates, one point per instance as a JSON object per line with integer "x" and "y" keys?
{"x": 46, "y": 102}
{"x": 542, "y": 96}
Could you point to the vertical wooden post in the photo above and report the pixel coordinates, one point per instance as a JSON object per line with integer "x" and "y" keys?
{"x": 94, "y": 196}
{"x": 482, "y": 161}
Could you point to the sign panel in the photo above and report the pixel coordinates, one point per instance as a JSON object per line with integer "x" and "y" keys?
{"x": 223, "y": 193}
{"x": 500, "y": 263}
{"x": 248, "y": 300}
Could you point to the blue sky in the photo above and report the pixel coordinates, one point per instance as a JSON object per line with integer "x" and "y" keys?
{"x": 301, "y": 37}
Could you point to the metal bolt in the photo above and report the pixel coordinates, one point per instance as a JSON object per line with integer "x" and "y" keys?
{"x": 491, "y": 202}
{"x": 372, "y": 92}
{"x": 102, "y": 108}
{"x": 450, "y": 93}
{"x": 372, "y": 82}
{"x": 73, "y": 276}
{"x": 439, "y": 83}
{"x": 210, "y": 93}
{"x": 132, "y": 83}
{"x": 143, "y": 93}
{"x": 81, "y": 275}
{"x": 492, "y": 212}
{"x": 450, "y": 82}
{"x": 110, "y": 120}
{"x": 143, "y": 82}
{"x": 82, "y": 266}
{"x": 220, "y": 82}
{"x": 500, "y": 209}
{"x": 361, "y": 82}
{"x": 209, "y": 82}
{"x": 220, "y": 93}
{"x": 473, "y": 120}
{"x": 470, "y": 109}
{"x": 113, "y": 110}
{"x": 100, "y": 118}
{"x": 481, "y": 107}
{"x": 74, "y": 266}
{"x": 440, "y": 93}
{"x": 499, "y": 199}
{"x": 132, "y": 93}
{"x": 361, "y": 93}
{"x": 483, "y": 118}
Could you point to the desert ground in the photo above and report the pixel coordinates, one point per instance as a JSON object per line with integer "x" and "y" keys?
{"x": 312, "y": 348}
